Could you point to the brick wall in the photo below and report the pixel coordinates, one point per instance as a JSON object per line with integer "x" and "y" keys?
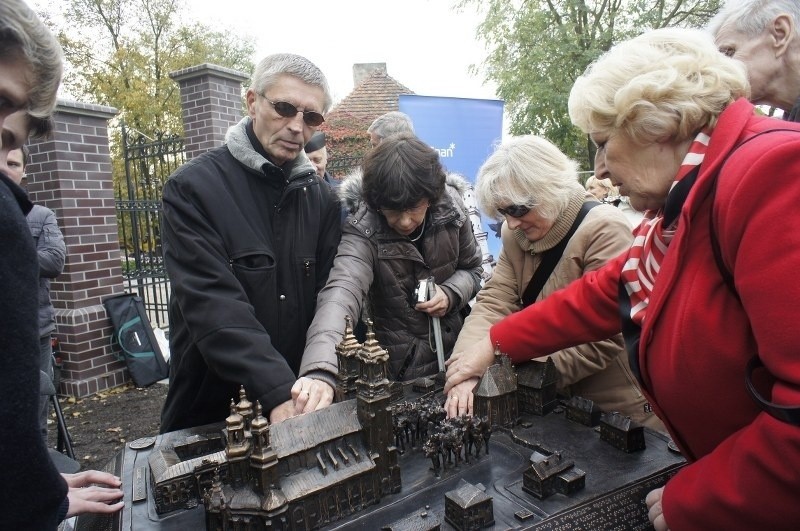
{"x": 211, "y": 101}
{"x": 70, "y": 173}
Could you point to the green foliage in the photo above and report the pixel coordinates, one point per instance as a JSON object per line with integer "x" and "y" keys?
{"x": 538, "y": 48}
{"x": 120, "y": 53}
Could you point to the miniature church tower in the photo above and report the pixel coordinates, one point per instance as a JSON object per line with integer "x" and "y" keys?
{"x": 263, "y": 460}
{"x": 238, "y": 447}
{"x": 346, "y": 354}
{"x": 244, "y": 407}
{"x": 374, "y": 411}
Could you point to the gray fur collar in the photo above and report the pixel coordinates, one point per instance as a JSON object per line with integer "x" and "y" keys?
{"x": 239, "y": 145}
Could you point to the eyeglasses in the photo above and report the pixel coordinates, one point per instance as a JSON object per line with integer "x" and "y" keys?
{"x": 287, "y": 110}
{"x": 415, "y": 210}
{"x": 515, "y": 211}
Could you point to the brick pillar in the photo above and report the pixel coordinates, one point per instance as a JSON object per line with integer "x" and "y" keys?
{"x": 70, "y": 173}
{"x": 211, "y": 99}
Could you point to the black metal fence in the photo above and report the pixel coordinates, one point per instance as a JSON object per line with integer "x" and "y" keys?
{"x": 148, "y": 164}
{"x": 340, "y": 167}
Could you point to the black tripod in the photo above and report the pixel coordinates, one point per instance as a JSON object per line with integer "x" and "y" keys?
{"x": 63, "y": 441}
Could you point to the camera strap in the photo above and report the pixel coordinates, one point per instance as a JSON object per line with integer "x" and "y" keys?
{"x": 551, "y": 257}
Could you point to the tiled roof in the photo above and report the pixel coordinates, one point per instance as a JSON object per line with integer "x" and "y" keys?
{"x": 376, "y": 95}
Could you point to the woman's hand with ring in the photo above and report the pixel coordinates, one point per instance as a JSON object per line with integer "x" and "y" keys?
{"x": 460, "y": 399}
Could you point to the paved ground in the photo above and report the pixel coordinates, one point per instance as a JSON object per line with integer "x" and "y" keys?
{"x": 100, "y": 425}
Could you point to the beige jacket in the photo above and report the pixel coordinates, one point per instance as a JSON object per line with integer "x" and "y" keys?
{"x": 597, "y": 371}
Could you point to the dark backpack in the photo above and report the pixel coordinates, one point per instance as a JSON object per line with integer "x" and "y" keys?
{"x": 134, "y": 334}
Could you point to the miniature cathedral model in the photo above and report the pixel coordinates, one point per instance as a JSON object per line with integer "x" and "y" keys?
{"x": 313, "y": 469}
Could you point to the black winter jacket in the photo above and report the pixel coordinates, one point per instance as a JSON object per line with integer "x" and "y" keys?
{"x": 33, "y": 494}
{"x": 244, "y": 276}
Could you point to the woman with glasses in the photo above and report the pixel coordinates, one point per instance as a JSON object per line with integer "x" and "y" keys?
{"x": 535, "y": 187}
{"x": 407, "y": 223}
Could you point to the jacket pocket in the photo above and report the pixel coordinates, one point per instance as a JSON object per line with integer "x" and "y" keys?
{"x": 255, "y": 271}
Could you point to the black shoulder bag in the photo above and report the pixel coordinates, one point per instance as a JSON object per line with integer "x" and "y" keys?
{"x": 135, "y": 336}
{"x": 551, "y": 257}
{"x": 788, "y": 414}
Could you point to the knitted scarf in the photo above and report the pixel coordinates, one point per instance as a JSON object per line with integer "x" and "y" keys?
{"x": 653, "y": 236}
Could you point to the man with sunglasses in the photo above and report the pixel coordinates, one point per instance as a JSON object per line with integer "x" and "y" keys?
{"x": 249, "y": 237}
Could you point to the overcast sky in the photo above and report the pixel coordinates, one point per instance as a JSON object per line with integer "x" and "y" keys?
{"x": 426, "y": 45}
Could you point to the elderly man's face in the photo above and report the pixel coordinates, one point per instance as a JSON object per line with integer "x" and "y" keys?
{"x": 319, "y": 159}
{"x": 760, "y": 61}
{"x": 284, "y": 138}
{"x": 14, "y": 86}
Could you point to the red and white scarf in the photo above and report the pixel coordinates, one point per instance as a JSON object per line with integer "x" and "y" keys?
{"x": 652, "y": 238}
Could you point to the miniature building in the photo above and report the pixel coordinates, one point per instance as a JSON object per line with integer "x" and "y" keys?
{"x": 468, "y": 508}
{"x": 418, "y": 521}
{"x": 496, "y": 394}
{"x": 300, "y": 474}
{"x": 583, "y": 411}
{"x": 621, "y": 432}
{"x": 348, "y": 364}
{"x": 537, "y": 381}
{"x": 551, "y": 474}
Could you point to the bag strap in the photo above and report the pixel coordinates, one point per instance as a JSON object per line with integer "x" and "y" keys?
{"x": 551, "y": 257}
{"x": 788, "y": 414}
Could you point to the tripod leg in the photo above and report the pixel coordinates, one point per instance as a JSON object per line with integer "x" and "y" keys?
{"x": 64, "y": 442}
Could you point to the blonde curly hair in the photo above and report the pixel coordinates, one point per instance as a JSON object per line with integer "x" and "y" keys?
{"x": 666, "y": 84}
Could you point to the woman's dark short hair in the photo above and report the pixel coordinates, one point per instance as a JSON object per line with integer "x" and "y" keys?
{"x": 400, "y": 172}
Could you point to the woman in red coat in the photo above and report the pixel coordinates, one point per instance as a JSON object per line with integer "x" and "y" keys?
{"x": 675, "y": 134}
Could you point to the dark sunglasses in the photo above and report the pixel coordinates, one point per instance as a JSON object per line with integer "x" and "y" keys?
{"x": 287, "y": 110}
{"x": 515, "y": 211}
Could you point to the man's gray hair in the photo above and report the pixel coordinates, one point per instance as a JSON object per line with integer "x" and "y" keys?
{"x": 752, "y": 17}
{"x": 391, "y": 123}
{"x": 24, "y": 35}
{"x": 270, "y": 68}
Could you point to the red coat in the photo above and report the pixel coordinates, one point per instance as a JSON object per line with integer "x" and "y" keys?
{"x": 744, "y": 465}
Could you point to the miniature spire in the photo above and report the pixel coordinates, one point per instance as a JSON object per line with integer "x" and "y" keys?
{"x": 372, "y": 352}
{"x": 245, "y": 407}
{"x": 349, "y": 344}
{"x": 259, "y": 421}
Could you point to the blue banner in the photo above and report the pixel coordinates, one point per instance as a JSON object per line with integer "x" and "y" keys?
{"x": 464, "y": 131}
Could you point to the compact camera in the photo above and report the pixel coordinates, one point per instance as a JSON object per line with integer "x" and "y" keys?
{"x": 424, "y": 291}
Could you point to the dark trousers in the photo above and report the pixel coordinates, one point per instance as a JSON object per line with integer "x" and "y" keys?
{"x": 46, "y": 365}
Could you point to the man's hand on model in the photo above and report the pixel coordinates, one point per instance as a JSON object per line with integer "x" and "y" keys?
{"x": 309, "y": 395}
